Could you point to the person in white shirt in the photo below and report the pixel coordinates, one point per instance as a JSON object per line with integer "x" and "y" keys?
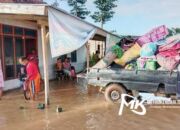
{"x": 1, "y": 81}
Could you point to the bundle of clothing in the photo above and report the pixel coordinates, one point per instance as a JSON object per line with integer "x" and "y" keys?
{"x": 150, "y": 51}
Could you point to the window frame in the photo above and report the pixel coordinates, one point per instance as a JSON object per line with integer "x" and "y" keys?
{"x": 72, "y": 56}
{"x": 14, "y": 36}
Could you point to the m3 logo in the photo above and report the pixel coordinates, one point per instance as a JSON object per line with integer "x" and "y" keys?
{"x": 134, "y": 104}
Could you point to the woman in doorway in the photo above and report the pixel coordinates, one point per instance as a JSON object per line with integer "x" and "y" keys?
{"x": 1, "y": 80}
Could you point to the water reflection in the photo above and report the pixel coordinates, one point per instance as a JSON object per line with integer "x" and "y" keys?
{"x": 81, "y": 111}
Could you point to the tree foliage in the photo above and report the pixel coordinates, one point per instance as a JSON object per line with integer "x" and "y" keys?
{"x": 105, "y": 11}
{"x": 173, "y": 31}
{"x": 55, "y": 4}
{"x": 78, "y": 8}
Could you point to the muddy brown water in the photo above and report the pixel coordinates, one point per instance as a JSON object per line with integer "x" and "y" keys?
{"x": 81, "y": 111}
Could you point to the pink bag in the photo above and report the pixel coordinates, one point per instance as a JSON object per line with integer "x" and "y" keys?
{"x": 154, "y": 35}
{"x": 170, "y": 50}
{"x": 168, "y": 63}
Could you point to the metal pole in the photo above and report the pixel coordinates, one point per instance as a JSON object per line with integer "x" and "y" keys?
{"x": 45, "y": 64}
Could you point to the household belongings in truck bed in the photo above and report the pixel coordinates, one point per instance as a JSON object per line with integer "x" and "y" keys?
{"x": 148, "y": 52}
{"x": 113, "y": 53}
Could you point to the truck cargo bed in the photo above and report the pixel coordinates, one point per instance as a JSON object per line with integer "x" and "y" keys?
{"x": 140, "y": 80}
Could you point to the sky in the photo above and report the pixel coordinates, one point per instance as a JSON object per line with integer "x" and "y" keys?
{"x": 136, "y": 17}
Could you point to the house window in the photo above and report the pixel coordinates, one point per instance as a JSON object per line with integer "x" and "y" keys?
{"x": 29, "y": 32}
{"x": 7, "y": 29}
{"x": 9, "y": 56}
{"x": 74, "y": 56}
{"x": 18, "y": 31}
{"x": 30, "y": 45}
{"x": 19, "y": 46}
{"x": 15, "y": 42}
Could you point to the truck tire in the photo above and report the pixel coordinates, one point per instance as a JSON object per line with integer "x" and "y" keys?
{"x": 113, "y": 93}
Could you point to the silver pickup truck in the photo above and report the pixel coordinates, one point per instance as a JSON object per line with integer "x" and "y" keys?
{"x": 114, "y": 82}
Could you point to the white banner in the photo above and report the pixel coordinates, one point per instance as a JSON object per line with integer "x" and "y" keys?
{"x": 67, "y": 34}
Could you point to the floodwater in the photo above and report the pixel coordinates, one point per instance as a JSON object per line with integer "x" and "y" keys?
{"x": 81, "y": 111}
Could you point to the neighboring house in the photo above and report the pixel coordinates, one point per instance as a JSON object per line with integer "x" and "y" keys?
{"x": 20, "y": 32}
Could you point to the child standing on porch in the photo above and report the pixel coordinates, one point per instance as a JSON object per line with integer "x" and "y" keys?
{"x": 1, "y": 80}
{"x": 33, "y": 76}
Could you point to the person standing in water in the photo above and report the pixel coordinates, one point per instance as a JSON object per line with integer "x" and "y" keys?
{"x": 1, "y": 80}
{"x": 33, "y": 77}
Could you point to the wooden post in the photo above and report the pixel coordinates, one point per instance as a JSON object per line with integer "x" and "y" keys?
{"x": 87, "y": 56}
{"x": 45, "y": 63}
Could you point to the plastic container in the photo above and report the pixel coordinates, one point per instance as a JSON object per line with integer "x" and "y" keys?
{"x": 151, "y": 65}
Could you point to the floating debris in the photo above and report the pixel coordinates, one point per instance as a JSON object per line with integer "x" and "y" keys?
{"x": 21, "y": 107}
{"x": 59, "y": 109}
{"x": 41, "y": 106}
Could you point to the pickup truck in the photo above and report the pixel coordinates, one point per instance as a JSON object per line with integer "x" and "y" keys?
{"x": 113, "y": 82}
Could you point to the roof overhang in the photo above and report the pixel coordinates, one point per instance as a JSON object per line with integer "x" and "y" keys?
{"x": 26, "y": 9}
{"x": 37, "y": 13}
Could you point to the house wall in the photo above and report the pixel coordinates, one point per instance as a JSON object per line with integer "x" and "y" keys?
{"x": 22, "y": 9}
{"x": 79, "y": 65}
{"x": 81, "y": 53}
{"x": 81, "y": 59}
{"x": 14, "y": 83}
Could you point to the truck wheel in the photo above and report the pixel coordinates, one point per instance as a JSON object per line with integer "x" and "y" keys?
{"x": 113, "y": 93}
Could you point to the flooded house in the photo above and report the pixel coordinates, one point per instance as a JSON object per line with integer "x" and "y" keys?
{"x": 23, "y": 26}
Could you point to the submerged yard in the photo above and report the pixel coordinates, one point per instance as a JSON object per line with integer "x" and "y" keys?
{"x": 81, "y": 111}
